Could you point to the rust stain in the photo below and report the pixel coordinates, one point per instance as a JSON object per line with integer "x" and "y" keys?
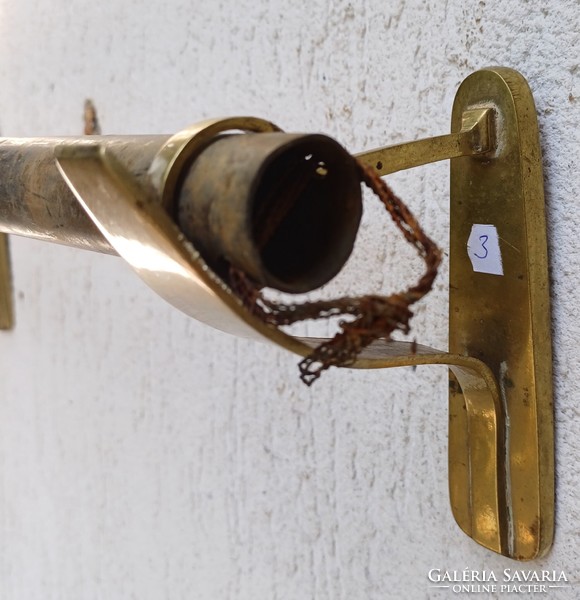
{"x": 91, "y": 120}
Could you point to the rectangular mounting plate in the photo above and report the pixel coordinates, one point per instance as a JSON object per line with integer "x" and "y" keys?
{"x": 499, "y": 313}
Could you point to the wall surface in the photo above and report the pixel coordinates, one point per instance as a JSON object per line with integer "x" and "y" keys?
{"x": 143, "y": 455}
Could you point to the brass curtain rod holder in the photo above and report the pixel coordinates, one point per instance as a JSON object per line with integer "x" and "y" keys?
{"x": 501, "y": 457}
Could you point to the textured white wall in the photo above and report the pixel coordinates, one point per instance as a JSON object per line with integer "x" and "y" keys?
{"x": 143, "y": 455}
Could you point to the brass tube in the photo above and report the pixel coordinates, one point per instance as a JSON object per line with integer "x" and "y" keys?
{"x": 36, "y": 202}
{"x": 283, "y": 208}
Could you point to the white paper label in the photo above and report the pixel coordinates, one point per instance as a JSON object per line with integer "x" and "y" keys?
{"x": 483, "y": 250}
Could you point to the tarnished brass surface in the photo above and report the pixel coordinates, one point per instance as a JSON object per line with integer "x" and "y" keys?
{"x": 500, "y": 430}
{"x": 180, "y": 149}
{"x": 498, "y": 378}
{"x": 475, "y": 137}
{"x": 285, "y": 209}
{"x": 6, "y": 307}
{"x": 35, "y": 201}
{"x": 503, "y": 320}
{"x": 145, "y": 236}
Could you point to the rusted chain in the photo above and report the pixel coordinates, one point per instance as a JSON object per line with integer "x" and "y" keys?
{"x": 375, "y": 316}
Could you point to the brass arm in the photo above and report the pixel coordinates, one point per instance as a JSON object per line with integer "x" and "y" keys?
{"x": 475, "y": 138}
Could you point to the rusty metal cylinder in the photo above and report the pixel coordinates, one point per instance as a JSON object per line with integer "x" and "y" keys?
{"x": 284, "y": 208}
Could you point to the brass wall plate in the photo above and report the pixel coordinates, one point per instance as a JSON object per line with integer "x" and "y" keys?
{"x": 502, "y": 320}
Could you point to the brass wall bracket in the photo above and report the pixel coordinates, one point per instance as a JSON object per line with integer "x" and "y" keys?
{"x": 501, "y": 447}
{"x": 501, "y": 462}
{"x": 501, "y": 457}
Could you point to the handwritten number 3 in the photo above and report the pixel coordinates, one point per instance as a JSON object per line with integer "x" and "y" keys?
{"x": 483, "y": 239}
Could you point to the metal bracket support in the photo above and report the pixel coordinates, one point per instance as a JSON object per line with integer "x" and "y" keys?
{"x": 501, "y": 458}
{"x": 501, "y": 455}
